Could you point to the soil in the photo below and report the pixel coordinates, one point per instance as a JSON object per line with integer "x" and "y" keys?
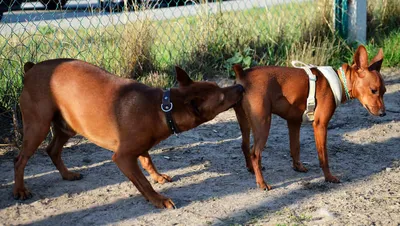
{"x": 6, "y": 127}
{"x": 211, "y": 185}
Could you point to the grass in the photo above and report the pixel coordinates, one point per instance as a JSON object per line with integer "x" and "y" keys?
{"x": 206, "y": 44}
{"x": 391, "y": 46}
{"x": 383, "y": 16}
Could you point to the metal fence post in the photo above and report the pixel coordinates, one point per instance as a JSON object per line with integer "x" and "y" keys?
{"x": 350, "y": 18}
{"x": 357, "y": 28}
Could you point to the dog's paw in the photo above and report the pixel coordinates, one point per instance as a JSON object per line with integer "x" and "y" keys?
{"x": 300, "y": 168}
{"x": 162, "y": 178}
{"x": 264, "y": 186}
{"x": 22, "y": 194}
{"x": 332, "y": 179}
{"x": 72, "y": 176}
{"x": 169, "y": 204}
{"x": 163, "y": 202}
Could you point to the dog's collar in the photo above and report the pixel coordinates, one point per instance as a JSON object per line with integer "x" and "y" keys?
{"x": 166, "y": 107}
{"x": 342, "y": 77}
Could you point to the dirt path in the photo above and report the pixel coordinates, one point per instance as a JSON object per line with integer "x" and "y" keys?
{"x": 212, "y": 186}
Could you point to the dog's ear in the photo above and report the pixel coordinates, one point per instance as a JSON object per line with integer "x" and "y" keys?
{"x": 182, "y": 77}
{"x": 361, "y": 58}
{"x": 376, "y": 63}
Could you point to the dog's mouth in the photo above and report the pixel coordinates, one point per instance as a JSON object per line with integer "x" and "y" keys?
{"x": 236, "y": 103}
{"x": 369, "y": 110}
{"x": 239, "y": 100}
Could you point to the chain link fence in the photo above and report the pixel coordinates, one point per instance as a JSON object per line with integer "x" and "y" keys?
{"x": 145, "y": 39}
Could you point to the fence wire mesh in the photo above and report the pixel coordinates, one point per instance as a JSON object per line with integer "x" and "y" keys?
{"x": 145, "y": 39}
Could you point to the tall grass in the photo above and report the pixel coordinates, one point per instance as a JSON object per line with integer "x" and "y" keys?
{"x": 383, "y": 30}
{"x": 136, "y": 56}
{"x": 383, "y": 16}
{"x": 391, "y": 48}
{"x": 271, "y": 35}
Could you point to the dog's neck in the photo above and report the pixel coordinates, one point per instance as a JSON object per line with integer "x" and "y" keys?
{"x": 349, "y": 82}
{"x": 182, "y": 114}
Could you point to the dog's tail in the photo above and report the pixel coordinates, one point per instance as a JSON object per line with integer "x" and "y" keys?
{"x": 28, "y": 66}
{"x": 239, "y": 73}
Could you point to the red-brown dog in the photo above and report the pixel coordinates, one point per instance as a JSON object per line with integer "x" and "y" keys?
{"x": 283, "y": 91}
{"x": 118, "y": 114}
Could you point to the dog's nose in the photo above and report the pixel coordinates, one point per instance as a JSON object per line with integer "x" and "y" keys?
{"x": 382, "y": 112}
{"x": 240, "y": 88}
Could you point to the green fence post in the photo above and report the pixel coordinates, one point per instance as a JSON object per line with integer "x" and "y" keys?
{"x": 341, "y": 17}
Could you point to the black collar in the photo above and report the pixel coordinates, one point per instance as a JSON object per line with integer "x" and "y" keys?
{"x": 166, "y": 107}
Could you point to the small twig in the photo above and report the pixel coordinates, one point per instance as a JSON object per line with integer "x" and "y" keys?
{"x": 7, "y": 145}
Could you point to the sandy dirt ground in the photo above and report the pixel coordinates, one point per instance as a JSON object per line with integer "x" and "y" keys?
{"x": 211, "y": 185}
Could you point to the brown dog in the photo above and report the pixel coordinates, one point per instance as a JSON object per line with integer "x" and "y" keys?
{"x": 283, "y": 91}
{"x": 118, "y": 114}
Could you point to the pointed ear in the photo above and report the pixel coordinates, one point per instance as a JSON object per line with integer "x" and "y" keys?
{"x": 376, "y": 63}
{"x": 182, "y": 77}
{"x": 361, "y": 57}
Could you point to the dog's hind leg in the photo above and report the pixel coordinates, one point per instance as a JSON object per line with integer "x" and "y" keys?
{"x": 148, "y": 165}
{"x": 294, "y": 136}
{"x": 260, "y": 121}
{"x": 36, "y": 125}
{"x": 245, "y": 129}
{"x": 260, "y": 129}
{"x": 61, "y": 135}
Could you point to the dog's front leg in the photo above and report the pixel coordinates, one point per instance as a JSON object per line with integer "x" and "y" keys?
{"x": 148, "y": 165}
{"x": 294, "y": 137}
{"x": 128, "y": 164}
{"x": 320, "y": 133}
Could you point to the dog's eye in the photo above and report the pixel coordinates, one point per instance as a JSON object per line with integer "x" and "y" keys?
{"x": 374, "y": 91}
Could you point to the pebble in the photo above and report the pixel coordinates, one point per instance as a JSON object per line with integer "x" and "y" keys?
{"x": 323, "y": 212}
{"x": 388, "y": 169}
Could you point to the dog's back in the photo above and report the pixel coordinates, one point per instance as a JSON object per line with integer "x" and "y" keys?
{"x": 286, "y": 88}
{"x": 74, "y": 90}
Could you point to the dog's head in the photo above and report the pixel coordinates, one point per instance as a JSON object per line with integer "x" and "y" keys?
{"x": 205, "y": 100}
{"x": 368, "y": 85}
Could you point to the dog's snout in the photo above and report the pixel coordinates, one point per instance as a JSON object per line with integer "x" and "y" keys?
{"x": 240, "y": 88}
{"x": 382, "y": 112}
